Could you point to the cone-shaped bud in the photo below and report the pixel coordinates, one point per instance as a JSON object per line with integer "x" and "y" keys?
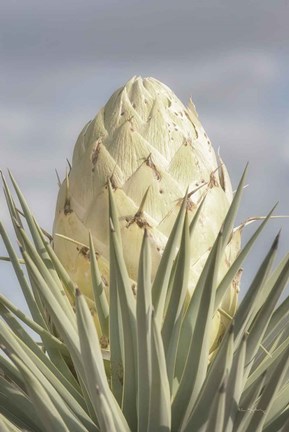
{"x": 147, "y": 143}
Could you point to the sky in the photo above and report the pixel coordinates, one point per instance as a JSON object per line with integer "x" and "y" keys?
{"x": 61, "y": 60}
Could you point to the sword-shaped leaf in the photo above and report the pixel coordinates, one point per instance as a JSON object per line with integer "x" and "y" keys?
{"x": 94, "y": 371}
{"x": 144, "y": 335}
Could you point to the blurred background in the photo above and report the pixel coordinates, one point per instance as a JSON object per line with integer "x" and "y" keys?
{"x": 61, "y": 60}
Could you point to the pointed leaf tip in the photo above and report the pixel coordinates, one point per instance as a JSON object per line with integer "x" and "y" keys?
{"x": 276, "y": 241}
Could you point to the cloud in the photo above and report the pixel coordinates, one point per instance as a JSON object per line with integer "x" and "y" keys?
{"x": 38, "y": 36}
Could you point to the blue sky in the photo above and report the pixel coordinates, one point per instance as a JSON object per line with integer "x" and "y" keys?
{"x": 60, "y": 62}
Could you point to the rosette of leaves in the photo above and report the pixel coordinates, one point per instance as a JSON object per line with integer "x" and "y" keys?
{"x": 156, "y": 373}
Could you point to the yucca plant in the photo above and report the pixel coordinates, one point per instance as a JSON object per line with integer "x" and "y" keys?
{"x": 148, "y": 364}
{"x": 152, "y": 149}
